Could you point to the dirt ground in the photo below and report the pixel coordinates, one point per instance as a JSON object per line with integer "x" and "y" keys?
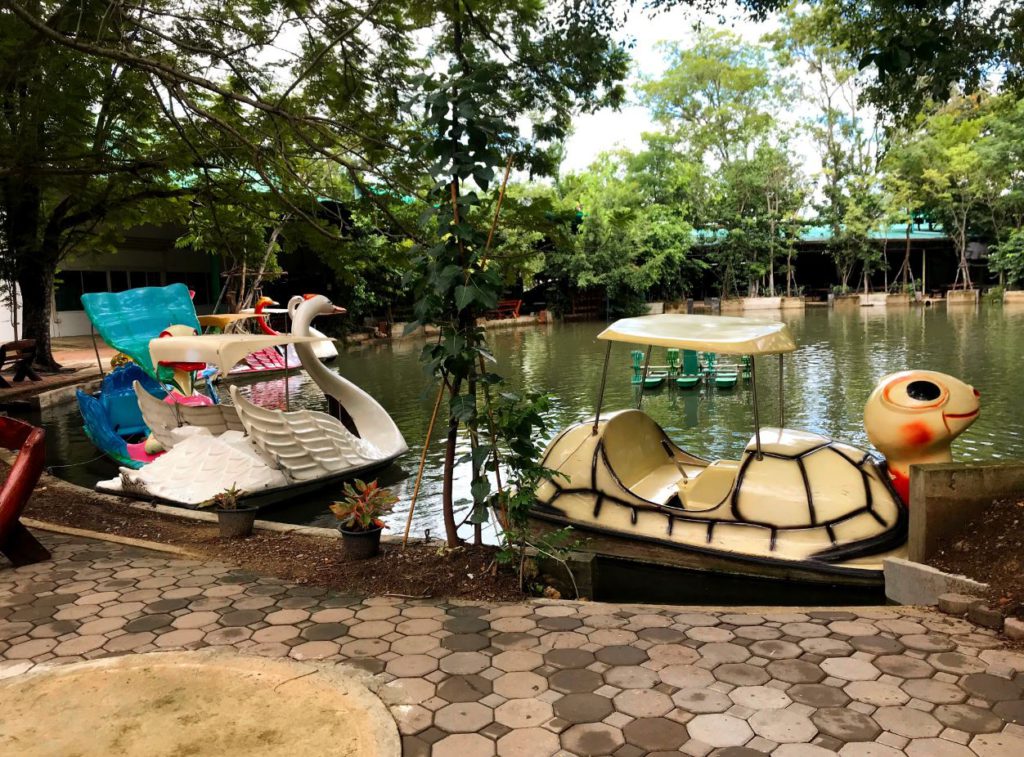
{"x": 421, "y": 570}
{"x": 991, "y": 550}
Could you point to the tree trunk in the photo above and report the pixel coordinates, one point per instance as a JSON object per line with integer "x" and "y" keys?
{"x": 451, "y": 529}
{"x": 33, "y": 263}
{"x": 35, "y": 279}
{"x": 789, "y": 273}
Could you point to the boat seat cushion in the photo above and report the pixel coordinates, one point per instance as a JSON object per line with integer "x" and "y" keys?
{"x": 631, "y": 443}
{"x": 660, "y": 485}
{"x": 711, "y": 487}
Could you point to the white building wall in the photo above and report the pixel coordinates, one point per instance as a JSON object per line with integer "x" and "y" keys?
{"x": 148, "y": 255}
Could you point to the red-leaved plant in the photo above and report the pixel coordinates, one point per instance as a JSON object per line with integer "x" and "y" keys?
{"x": 362, "y": 506}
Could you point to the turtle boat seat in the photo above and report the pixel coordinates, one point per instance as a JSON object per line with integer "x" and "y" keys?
{"x": 711, "y": 486}
{"x": 643, "y": 459}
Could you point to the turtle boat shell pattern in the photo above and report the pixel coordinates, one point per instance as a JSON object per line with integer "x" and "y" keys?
{"x": 806, "y": 498}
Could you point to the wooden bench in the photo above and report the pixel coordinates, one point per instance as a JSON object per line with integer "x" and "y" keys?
{"x": 16, "y": 542}
{"x": 505, "y": 309}
{"x": 21, "y": 355}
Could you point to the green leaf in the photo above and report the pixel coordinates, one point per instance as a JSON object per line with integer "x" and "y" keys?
{"x": 464, "y": 296}
{"x": 480, "y": 489}
{"x": 463, "y": 408}
{"x": 480, "y": 455}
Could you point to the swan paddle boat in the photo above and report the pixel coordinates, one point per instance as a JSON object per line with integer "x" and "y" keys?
{"x": 796, "y": 506}
{"x": 198, "y": 447}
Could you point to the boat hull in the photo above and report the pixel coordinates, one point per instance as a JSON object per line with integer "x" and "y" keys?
{"x": 653, "y": 551}
{"x": 265, "y": 499}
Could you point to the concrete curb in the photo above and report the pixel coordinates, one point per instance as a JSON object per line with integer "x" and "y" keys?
{"x": 912, "y": 583}
{"x": 155, "y": 546}
{"x": 48, "y": 480}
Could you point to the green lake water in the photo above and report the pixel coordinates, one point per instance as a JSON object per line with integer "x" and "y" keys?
{"x": 840, "y": 358}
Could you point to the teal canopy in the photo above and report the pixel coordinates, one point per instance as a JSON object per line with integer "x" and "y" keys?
{"x": 128, "y": 320}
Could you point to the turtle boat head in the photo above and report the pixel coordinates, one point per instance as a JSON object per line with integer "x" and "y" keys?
{"x": 914, "y": 416}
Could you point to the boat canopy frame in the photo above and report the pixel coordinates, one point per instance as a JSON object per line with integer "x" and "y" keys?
{"x": 221, "y": 350}
{"x": 724, "y": 335}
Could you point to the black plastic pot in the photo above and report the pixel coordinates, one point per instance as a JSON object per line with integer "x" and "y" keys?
{"x": 236, "y": 524}
{"x": 360, "y": 545}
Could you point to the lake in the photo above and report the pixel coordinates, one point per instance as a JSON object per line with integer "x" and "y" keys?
{"x": 841, "y": 356}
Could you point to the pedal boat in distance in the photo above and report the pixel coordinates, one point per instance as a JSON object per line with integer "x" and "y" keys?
{"x": 796, "y": 506}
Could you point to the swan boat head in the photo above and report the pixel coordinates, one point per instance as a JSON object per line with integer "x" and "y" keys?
{"x": 303, "y": 308}
{"x": 914, "y": 416}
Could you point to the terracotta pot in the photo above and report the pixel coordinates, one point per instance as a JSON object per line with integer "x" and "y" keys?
{"x": 361, "y": 545}
{"x": 236, "y": 524}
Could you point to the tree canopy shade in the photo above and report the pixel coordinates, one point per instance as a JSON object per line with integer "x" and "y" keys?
{"x": 110, "y": 107}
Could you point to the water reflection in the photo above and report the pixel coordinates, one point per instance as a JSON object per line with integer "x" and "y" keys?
{"x": 841, "y": 357}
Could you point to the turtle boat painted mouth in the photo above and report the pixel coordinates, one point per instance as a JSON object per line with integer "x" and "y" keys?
{"x": 971, "y": 414}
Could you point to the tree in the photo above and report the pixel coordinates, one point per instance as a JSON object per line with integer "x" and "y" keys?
{"x": 926, "y": 51}
{"x": 846, "y": 134}
{"x": 940, "y": 157}
{"x": 107, "y": 115}
{"x": 82, "y": 156}
{"x": 634, "y": 239}
{"x": 717, "y": 95}
{"x": 758, "y": 204}
{"x": 469, "y": 132}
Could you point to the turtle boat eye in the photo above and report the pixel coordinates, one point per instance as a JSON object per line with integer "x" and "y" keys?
{"x": 923, "y": 391}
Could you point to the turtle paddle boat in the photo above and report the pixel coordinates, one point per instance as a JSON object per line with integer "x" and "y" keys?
{"x": 796, "y": 506}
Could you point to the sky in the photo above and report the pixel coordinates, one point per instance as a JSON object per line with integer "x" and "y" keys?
{"x": 610, "y": 129}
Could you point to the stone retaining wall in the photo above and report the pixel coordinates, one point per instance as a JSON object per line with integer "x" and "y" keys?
{"x": 962, "y": 297}
{"x": 945, "y": 496}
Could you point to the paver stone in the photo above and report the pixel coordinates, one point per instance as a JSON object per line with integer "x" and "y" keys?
{"x": 845, "y": 724}
{"x": 652, "y": 734}
{"x": 720, "y": 730}
{"x": 592, "y": 739}
{"x": 907, "y": 722}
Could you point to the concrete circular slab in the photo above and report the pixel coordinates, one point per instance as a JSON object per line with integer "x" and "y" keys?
{"x": 193, "y": 703}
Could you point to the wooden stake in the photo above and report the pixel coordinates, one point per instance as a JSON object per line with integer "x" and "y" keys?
{"x": 497, "y": 208}
{"x": 423, "y": 462}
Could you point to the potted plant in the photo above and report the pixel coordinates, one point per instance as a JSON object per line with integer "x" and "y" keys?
{"x": 235, "y": 522}
{"x": 359, "y": 514}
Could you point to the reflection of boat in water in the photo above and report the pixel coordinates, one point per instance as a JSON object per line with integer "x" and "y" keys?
{"x": 197, "y": 448}
{"x": 796, "y": 505}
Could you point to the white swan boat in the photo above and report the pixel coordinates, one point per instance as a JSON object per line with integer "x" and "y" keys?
{"x": 267, "y": 454}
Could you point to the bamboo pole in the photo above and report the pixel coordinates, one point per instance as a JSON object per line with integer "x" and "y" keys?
{"x": 497, "y": 209}
{"x": 423, "y": 462}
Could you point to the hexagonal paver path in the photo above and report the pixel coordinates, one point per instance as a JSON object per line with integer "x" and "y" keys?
{"x": 550, "y": 678}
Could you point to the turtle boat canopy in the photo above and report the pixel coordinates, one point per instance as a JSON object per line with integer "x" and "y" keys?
{"x": 705, "y": 333}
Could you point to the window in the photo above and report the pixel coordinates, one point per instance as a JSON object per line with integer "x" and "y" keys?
{"x": 70, "y": 285}
{"x": 119, "y": 281}
{"x": 93, "y": 281}
{"x": 67, "y": 290}
{"x": 197, "y": 281}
